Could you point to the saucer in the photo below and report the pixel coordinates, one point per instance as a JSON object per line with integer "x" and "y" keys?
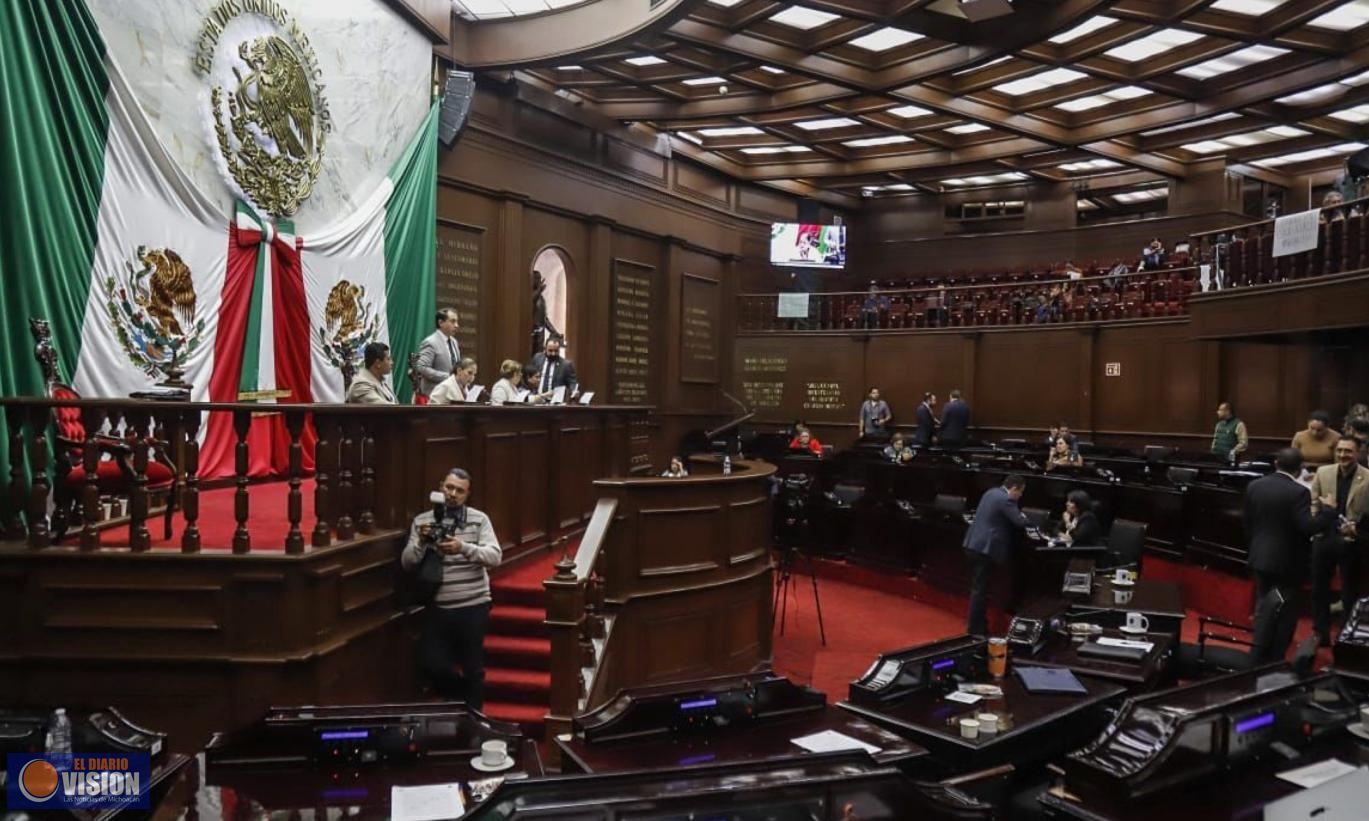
{"x": 1127, "y": 583}
{"x": 1359, "y": 731}
{"x": 485, "y": 768}
{"x": 1132, "y": 631}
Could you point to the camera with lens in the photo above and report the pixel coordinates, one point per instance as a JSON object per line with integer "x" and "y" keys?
{"x": 444, "y": 526}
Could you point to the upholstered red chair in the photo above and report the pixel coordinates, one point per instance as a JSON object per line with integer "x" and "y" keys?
{"x": 114, "y": 472}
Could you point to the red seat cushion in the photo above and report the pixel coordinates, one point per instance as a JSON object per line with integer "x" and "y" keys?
{"x": 68, "y": 420}
{"x": 110, "y": 477}
{"x": 420, "y": 399}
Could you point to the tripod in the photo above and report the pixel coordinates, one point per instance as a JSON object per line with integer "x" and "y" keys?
{"x": 784, "y": 584}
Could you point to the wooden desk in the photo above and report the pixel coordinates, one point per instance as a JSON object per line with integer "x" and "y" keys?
{"x": 1239, "y": 794}
{"x": 1037, "y": 725}
{"x": 1063, "y": 651}
{"x": 1161, "y": 602}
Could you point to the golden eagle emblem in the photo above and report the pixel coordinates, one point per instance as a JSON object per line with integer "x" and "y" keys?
{"x": 151, "y": 307}
{"x": 350, "y": 323}
{"x": 343, "y": 310}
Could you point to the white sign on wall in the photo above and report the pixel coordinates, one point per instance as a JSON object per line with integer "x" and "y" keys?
{"x": 1112, "y": 369}
{"x": 793, "y": 306}
{"x": 1296, "y": 233}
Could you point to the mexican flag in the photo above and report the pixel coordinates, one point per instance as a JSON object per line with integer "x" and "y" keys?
{"x": 139, "y": 273}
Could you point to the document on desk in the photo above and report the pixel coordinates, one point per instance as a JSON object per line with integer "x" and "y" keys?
{"x": 1145, "y": 646}
{"x": 831, "y": 741}
{"x": 473, "y": 393}
{"x": 1314, "y": 774}
{"x": 963, "y": 697}
{"x": 430, "y": 802}
{"x": 558, "y": 396}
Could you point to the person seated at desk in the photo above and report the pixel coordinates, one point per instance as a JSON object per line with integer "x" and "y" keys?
{"x": 897, "y": 450}
{"x": 677, "y": 469}
{"x": 505, "y": 390}
{"x": 806, "y": 441}
{"x": 1062, "y": 456}
{"x": 532, "y": 378}
{"x": 1079, "y": 525}
{"x": 453, "y": 389}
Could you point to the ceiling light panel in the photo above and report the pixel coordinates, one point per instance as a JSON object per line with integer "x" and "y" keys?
{"x": 1153, "y": 44}
{"x": 885, "y": 39}
{"x": 1089, "y": 165}
{"x": 803, "y": 19}
{"x": 731, "y": 131}
{"x": 869, "y": 142}
{"x": 777, "y": 149}
{"x": 704, "y": 81}
{"x": 1358, "y": 114}
{"x": 1106, "y": 98}
{"x": 727, "y": 4}
{"x": 987, "y": 179}
{"x": 1084, "y": 29}
{"x": 968, "y": 128}
{"x": 1313, "y": 154}
{"x": 1325, "y": 92}
{"x": 1347, "y": 17}
{"x": 1232, "y": 62}
{"x": 908, "y": 112}
{"x": 895, "y": 186}
{"x": 691, "y": 137}
{"x": 1230, "y": 115}
{"x": 1040, "y": 82}
{"x": 1250, "y": 8}
{"x": 1249, "y": 138}
{"x": 830, "y": 122}
{"x": 1147, "y": 195}
{"x": 645, "y": 60}
{"x": 772, "y": 70}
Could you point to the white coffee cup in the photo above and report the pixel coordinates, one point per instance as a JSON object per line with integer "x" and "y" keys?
{"x": 494, "y": 753}
{"x": 1122, "y": 596}
{"x": 988, "y": 723}
{"x": 1121, "y": 576}
{"x": 1137, "y": 622}
{"x": 969, "y": 728}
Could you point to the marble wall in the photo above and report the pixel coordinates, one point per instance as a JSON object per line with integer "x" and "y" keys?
{"x": 376, "y": 77}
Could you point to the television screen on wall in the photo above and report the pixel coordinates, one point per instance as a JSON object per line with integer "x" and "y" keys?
{"x": 808, "y": 246}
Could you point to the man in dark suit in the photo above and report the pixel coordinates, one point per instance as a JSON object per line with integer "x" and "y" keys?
{"x": 997, "y": 522}
{"x": 1278, "y": 524}
{"x": 556, "y": 370}
{"x": 955, "y": 421}
{"x": 926, "y": 421}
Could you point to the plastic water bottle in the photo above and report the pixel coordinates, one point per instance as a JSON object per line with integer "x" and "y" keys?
{"x": 59, "y": 733}
{"x": 727, "y": 465}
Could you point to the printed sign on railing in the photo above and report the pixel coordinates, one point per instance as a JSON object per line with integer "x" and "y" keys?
{"x": 793, "y": 306}
{"x": 1296, "y": 233}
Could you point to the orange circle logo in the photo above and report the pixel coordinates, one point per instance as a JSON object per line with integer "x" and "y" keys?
{"x": 38, "y": 780}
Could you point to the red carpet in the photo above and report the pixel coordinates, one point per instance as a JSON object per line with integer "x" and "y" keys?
{"x": 268, "y": 520}
{"x": 517, "y": 650}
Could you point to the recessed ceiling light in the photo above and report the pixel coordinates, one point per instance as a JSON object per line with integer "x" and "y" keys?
{"x": 1153, "y": 44}
{"x": 569, "y": 68}
{"x": 1358, "y": 114}
{"x": 893, "y": 186}
{"x": 1084, "y": 29}
{"x": 647, "y": 60}
{"x": 1313, "y": 154}
{"x": 1096, "y": 100}
{"x": 1248, "y": 138}
{"x": 987, "y": 179}
{"x": 804, "y": 19}
{"x": 704, "y": 81}
{"x": 691, "y": 137}
{"x": 727, "y": 4}
{"x": 1040, "y": 81}
{"x": 907, "y": 112}
{"x": 1250, "y": 8}
{"x": 1231, "y": 62}
{"x": 1089, "y": 165}
{"x": 772, "y": 70}
{"x": 885, "y": 39}
{"x": 830, "y": 122}
{"x": 968, "y": 128}
{"x": 731, "y": 131}
{"x": 1206, "y": 147}
{"x": 1350, "y": 16}
{"x": 777, "y": 149}
{"x": 869, "y": 142}
{"x": 1144, "y": 195}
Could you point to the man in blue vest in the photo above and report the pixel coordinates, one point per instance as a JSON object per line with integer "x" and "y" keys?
{"x": 997, "y": 522}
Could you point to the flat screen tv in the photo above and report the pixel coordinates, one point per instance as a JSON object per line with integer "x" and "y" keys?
{"x": 808, "y": 246}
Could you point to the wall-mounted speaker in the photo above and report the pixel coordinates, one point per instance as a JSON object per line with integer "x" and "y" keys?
{"x": 456, "y": 105}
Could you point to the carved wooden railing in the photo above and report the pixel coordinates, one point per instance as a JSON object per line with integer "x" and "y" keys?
{"x": 1243, "y": 255}
{"x": 661, "y": 555}
{"x": 366, "y": 477}
{"x": 1013, "y": 301}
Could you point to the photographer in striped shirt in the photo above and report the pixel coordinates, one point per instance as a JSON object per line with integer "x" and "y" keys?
{"x": 457, "y": 617}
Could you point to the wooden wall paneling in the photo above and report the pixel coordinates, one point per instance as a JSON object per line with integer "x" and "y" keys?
{"x": 690, "y": 538}
{"x": 698, "y": 344}
{"x": 534, "y": 454}
{"x": 636, "y": 162}
{"x": 1084, "y": 378}
{"x": 594, "y": 370}
{"x": 501, "y": 451}
{"x": 1253, "y": 375}
{"x": 903, "y": 374}
{"x": 1028, "y": 381}
{"x": 513, "y": 293}
{"x": 703, "y": 183}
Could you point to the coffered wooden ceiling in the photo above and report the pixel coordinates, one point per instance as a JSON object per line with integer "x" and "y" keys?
{"x": 884, "y": 97}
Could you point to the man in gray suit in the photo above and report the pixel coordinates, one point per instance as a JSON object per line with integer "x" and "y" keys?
{"x": 438, "y": 353}
{"x": 997, "y": 522}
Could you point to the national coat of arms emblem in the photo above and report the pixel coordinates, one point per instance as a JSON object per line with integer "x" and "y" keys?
{"x": 151, "y": 307}
{"x": 350, "y": 324}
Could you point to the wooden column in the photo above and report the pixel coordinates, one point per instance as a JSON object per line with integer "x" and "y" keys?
{"x": 190, "y": 494}
{"x": 325, "y": 464}
{"x": 565, "y": 612}
{"x": 91, "y": 419}
{"x": 39, "y": 534}
{"x": 242, "y": 537}
{"x": 15, "y": 529}
{"x": 136, "y": 435}
{"x": 345, "y": 498}
{"x": 294, "y": 539}
{"x": 366, "y": 492}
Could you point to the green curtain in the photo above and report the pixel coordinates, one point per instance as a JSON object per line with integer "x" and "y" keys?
{"x": 52, "y": 142}
{"x": 411, "y": 250}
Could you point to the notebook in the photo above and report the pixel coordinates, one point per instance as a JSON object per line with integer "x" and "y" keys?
{"x": 1049, "y": 680}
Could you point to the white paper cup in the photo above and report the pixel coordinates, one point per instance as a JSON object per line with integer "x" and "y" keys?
{"x": 494, "y": 753}
{"x": 969, "y": 728}
{"x": 988, "y": 723}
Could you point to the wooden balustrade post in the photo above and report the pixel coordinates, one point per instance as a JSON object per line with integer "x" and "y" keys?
{"x": 325, "y": 463}
{"x": 565, "y": 614}
{"x": 294, "y": 539}
{"x": 39, "y": 534}
{"x": 366, "y": 492}
{"x": 136, "y": 435}
{"x": 92, "y": 419}
{"x": 242, "y": 537}
{"x": 346, "y": 528}
{"x": 190, "y": 494}
{"x": 15, "y": 530}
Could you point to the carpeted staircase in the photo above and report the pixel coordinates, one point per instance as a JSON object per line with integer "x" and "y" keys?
{"x": 517, "y": 651}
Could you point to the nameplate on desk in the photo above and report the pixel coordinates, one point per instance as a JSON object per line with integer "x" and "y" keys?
{"x": 1145, "y": 646}
{"x": 430, "y": 802}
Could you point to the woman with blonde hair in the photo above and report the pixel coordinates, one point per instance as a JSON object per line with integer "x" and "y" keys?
{"x": 506, "y": 389}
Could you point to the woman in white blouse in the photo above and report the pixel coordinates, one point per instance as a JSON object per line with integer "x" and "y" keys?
{"x": 453, "y": 389}
{"x": 506, "y": 389}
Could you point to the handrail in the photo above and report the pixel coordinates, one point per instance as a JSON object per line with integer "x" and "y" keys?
{"x": 1084, "y": 281}
{"x": 1363, "y": 202}
{"x": 299, "y": 407}
{"x": 593, "y": 540}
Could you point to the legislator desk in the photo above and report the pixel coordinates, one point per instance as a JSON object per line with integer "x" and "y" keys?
{"x": 1209, "y": 750}
{"x": 905, "y": 691}
{"x": 717, "y": 721}
{"x": 350, "y": 757}
{"x": 1144, "y": 669}
{"x": 1107, "y": 602}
